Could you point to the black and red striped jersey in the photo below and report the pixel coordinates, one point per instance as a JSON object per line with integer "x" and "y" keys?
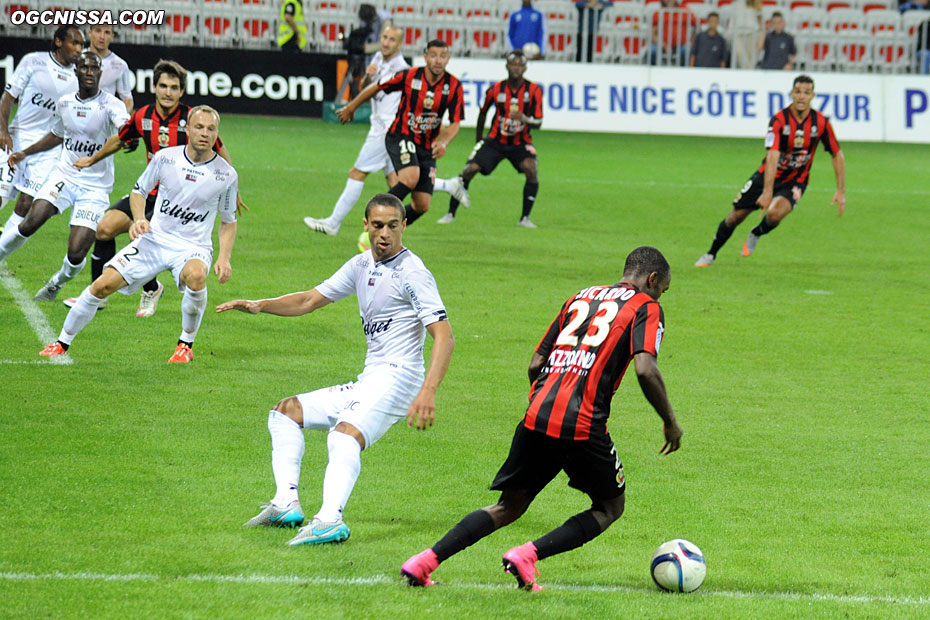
{"x": 527, "y": 98}
{"x": 797, "y": 142}
{"x": 422, "y": 104}
{"x": 587, "y": 350}
{"x": 157, "y": 132}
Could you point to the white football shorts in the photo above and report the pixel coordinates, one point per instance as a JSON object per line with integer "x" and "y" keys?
{"x": 35, "y": 169}
{"x": 372, "y": 404}
{"x": 374, "y": 155}
{"x": 7, "y": 178}
{"x": 89, "y": 204}
{"x": 145, "y": 258}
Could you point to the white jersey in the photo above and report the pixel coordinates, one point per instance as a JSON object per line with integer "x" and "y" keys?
{"x": 86, "y": 125}
{"x": 189, "y": 196}
{"x": 114, "y": 77}
{"x": 384, "y": 105}
{"x": 38, "y": 83}
{"x": 397, "y": 300}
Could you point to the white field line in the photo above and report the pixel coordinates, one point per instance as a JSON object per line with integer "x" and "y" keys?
{"x": 386, "y": 581}
{"x": 33, "y": 314}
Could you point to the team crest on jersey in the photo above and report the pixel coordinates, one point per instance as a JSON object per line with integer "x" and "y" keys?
{"x": 799, "y": 138}
{"x": 163, "y": 138}
{"x": 428, "y": 99}
{"x": 405, "y": 158}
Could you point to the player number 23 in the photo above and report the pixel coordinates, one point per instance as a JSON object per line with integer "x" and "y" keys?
{"x": 605, "y": 313}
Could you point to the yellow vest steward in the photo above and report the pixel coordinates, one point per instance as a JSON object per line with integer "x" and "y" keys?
{"x": 284, "y": 30}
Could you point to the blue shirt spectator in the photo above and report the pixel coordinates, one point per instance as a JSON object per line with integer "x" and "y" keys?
{"x": 527, "y": 25}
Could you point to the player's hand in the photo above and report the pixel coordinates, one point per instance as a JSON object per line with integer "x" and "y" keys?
{"x": 839, "y": 199}
{"x": 422, "y": 410}
{"x": 138, "y": 228}
{"x": 14, "y": 159}
{"x": 84, "y": 162}
{"x": 439, "y": 149}
{"x": 371, "y": 70}
{"x": 239, "y": 204}
{"x": 673, "y": 434}
{"x": 223, "y": 271}
{"x": 345, "y": 115}
{"x": 242, "y": 305}
{"x": 6, "y": 142}
{"x": 131, "y": 145}
{"x": 516, "y": 114}
{"x": 764, "y": 199}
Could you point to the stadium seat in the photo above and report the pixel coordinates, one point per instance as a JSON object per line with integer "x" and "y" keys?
{"x": 180, "y": 27}
{"x": 451, "y": 33}
{"x": 561, "y": 40}
{"x": 415, "y": 28}
{"x": 330, "y": 20}
{"x": 891, "y": 52}
{"x": 875, "y": 5}
{"x": 218, "y": 28}
{"x": 846, "y": 21}
{"x": 632, "y": 45}
{"x": 882, "y": 21}
{"x": 805, "y": 19}
{"x": 257, "y": 33}
{"x": 816, "y": 49}
{"x": 853, "y": 53}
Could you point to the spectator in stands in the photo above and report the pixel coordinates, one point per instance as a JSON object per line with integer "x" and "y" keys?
{"x": 745, "y": 29}
{"x": 678, "y": 28}
{"x": 527, "y": 25}
{"x": 923, "y": 47}
{"x": 710, "y": 48}
{"x": 292, "y": 27}
{"x": 914, "y": 5}
{"x": 589, "y": 17}
{"x": 778, "y": 50}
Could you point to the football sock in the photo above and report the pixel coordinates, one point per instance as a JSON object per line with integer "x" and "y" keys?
{"x": 529, "y": 197}
{"x": 764, "y": 227}
{"x": 151, "y": 286}
{"x": 189, "y": 345}
{"x": 400, "y": 190}
{"x": 453, "y": 202}
{"x": 412, "y": 215}
{"x": 11, "y": 223}
{"x": 441, "y": 185}
{"x": 12, "y": 242}
{"x": 287, "y": 450}
{"x": 80, "y": 315}
{"x": 103, "y": 252}
{"x": 193, "y": 306}
{"x": 68, "y": 271}
{"x": 345, "y": 463}
{"x": 575, "y": 532}
{"x": 724, "y": 232}
{"x": 475, "y": 526}
{"x": 347, "y": 200}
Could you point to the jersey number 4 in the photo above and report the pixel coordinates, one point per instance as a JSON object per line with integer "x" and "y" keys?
{"x": 605, "y": 313}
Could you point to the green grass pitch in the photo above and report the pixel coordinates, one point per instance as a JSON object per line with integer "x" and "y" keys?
{"x": 799, "y": 376}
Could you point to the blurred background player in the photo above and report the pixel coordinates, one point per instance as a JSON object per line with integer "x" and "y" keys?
{"x": 399, "y": 304}
{"x": 778, "y": 184}
{"x": 161, "y": 124}
{"x": 373, "y": 155}
{"x": 196, "y": 185}
{"x": 39, "y": 81}
{"x": 115, "y": 78}
{"x": 82, "y": 122}
{"x": 416, "y": 138}
{"x": 574, "y": 373}
{"x": 517, "y": 109}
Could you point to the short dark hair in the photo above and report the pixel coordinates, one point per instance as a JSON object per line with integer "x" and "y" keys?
{"x": 645, "y": 260}
{"x": 777, "y": 14}
{"x": 803, "y": 79}
{"x": 61, "y": 33}
{"x": 436, "y": 43}
{"x": 385, "y": 200}
{"x": 170, "y": 67}
{"x": 713, "y": 14}
{"x": 88, "y": 53}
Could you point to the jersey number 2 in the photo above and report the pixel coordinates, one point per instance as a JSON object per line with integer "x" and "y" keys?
{"x": 606, "y": 312}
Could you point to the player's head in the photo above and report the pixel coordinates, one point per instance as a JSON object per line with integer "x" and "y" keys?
{"x": 67, "y": 43}
{"x": 516, "y": 65}
{"x": 437, "y": 57}
{"x": 87, "y": 68}
{"x": 392, "y": 37}
{"x": 169, "y": 79}
{"x": 203, "y": 127}
{"x": 802, "y": 92}
{"x": 385, "y": 221}
{"x": 100, "y": 36}
{"x": 648, "y": 270}
{"x": 778, "y": 21}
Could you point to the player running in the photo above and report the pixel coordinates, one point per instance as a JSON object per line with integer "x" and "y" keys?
{"x": 194, "y": 185}
{"x": 777, "y": 186}
{"x": 517, "y": 109}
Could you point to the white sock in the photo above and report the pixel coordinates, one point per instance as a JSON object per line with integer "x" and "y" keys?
{"x": 11, "y": 240}
{"x": 345, "y": 463}
{"x": 287, "y": 450}
{"x": 68, "y": 271}
{"x": 347, "y": 200}
{"x": 441, "y": 185}
{"x": 193, "y": 306}
{"x": 80, "y": 315}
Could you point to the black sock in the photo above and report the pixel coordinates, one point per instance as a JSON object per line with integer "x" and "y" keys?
{"x": 723, "y": 234}
{"x": 475, "y": 526}
{"x": 63, "y": 345}
{"x": 400, "y": 190}
{"x": 151, "y": 286}
{"x": 575, "y": 532}
{"x": 529, "y": 197}
{"x": 103, "y": 251}
{"x": 189, "y": 344}
{"x": 764, "y": 227}
{"x": 412, "y": 215}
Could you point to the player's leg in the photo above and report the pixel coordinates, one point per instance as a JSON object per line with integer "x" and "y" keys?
{"x": 40, "y": 212}
{"x": 743, "y": 205}
{"x": 80, "y": 238}
{"x": 778, "y": 209}
{"x": 153, "y": 289}
{"x": 350, "y": 195}
{"x": 20, "y": 209}
{"x": 461, "y": 182}
{"x": 193, "y": 304}
{"x": 423, "y": 191}
{"x": 529, "y": 167}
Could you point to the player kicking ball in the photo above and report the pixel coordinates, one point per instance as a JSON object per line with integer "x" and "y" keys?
{"x": 194, "y": 185}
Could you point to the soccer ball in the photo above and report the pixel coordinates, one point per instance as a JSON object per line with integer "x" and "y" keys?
{"x": 364, "y": 243}
{"x": 530, "y": 50}
{"x": 678, "y": 566}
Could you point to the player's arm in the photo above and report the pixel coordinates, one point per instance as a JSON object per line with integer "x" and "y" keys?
{"x": 292, "y": 304}
{"x": 6, "y": 109}
{"x": 222, "y": 152}
{"x": 446, "y": 135}
{"x": 768, "y": 184}
{"x": 536, "y": 365}
{"x": 112, "y": 145}
{"x": 839, "y": 169}
{"x": 422, "y": 410}
{"x": 48, "y": 141}
{"x": 347, "y": 113}
{"x": 227, "y": 235}
{"x": 653, "y": 387}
